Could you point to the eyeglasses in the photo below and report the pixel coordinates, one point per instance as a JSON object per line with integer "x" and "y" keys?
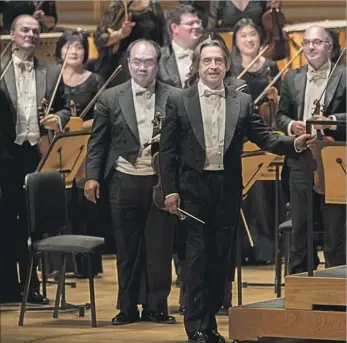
{"x": 146, "y": 63}
{"x": 315, "y": 42}
{"x": 191, "y": 23}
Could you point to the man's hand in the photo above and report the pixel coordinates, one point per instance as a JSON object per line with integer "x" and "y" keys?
{"x": 305, "y": 141}
{"x": 92, "y": 190}
{"x": 172, "y": 202}
{"x": 321, "y": 127}
{"x": 50, "y": 122}
{"x": 298, "y": 128}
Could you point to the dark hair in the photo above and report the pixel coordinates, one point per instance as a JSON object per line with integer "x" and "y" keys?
{"x": 193, "y": 76}
{"x": 155, "y": 45}
{"x": 175, "y": 13}
{"x": 236, "y": 66}
{"x": 336, "y": 48}
{"x": 72, "y": 36}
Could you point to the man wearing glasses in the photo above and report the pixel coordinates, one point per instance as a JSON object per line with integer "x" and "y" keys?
{"x": 128, "y": 117}
{"x": 300, "y": 89}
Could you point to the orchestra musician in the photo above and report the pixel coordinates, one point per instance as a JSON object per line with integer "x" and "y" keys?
{"x": 128, "y": 116}
{"x": 80, "y": 86}
{"x": 246, "y": 47}
{"x": 44, "y": 11}
{"x": 200, "y": 165}
{"x": 26, "y": 82}
{"x": 118, "y": 27}
{"x": 300, "y": 88}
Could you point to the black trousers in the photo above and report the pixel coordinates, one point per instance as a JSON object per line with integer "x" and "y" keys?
{"x": 330, "y": 218}
{"x": 209, "y": 246}
{"x": 144, "y": 239}
{"x": 14, "y": 166}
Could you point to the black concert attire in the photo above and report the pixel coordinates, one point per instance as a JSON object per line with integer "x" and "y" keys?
{"x": 150, "y": 24}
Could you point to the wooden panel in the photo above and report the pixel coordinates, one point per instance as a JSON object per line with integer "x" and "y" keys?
{"x": 303, "y": 292}
{"x": 246, "y": 323}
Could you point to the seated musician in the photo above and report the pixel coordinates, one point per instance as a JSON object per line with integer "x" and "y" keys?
{"x": 44, "y": 11}
{"x": 25, "y": 83}
{"x": 300, "y": 88}
{"x": 145, "y": 19}
{"x": 80, "y": 87}
{"x": 128, "y": 116}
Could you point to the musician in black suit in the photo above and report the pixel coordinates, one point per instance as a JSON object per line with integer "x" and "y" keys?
{"x": 301, "y": 87}
{"x": 200, "y": 162}
{"x": 125, "y": 120}
{"x": 26, "y": 82}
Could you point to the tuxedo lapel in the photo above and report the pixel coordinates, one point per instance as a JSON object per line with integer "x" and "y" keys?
{"x": 161, "y": 95}
{"x": 331, "y": 90}
{"x": 300, "y": 86}
{"x": 40, "y": 76}
{"x": 126, "y": 103}
{"x": 193, "y": 110}
{"x": 231, "y": 117}
{"x": 10, "y": 83}
{"x": 172, "y": 70}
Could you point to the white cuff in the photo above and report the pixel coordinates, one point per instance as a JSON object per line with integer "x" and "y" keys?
{"x": 332, "y": 117}
{"x": 169, "y": 195}
{"x": 59, "y": 124}
{"x": 289, "y": 128}
{"x": 295, "y": 148}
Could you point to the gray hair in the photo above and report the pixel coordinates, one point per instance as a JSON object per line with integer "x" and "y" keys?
{"x": 193, "y": 76}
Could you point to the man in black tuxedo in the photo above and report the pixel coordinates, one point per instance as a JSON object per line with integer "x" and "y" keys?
{"x": 125, "y": 120}
{"x": 26, "y": 82}
{"x": 301, "y": 87}
{"x": 200, "y": 161}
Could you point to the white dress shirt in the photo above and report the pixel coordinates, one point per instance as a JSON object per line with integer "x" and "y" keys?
{"x": 315, "y": 84}
{"x": 213, "y": 108}
{"x": 27, "y": 126}
{"x": 184, "y": 60}
{"x": 144, "y": 104}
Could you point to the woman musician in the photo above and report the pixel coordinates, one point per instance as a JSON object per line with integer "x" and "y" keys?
{"x": 122, "y": 25}
{"x": 257, "y": 206}
{"x": 79, "y": 87}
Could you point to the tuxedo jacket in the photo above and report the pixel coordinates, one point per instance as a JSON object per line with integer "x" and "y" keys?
{"x": 168, "y": 71}
{"x": 115, "y": 131}
{"x": 292, "y": 99}
{"x": 46, "y": 76}
{"x": 182, "y": 143}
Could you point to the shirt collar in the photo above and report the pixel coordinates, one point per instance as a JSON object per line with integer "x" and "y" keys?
{"x": 138, "y": 89}
{"x": 326, "y": 67}
{"x": 178, "y": 49}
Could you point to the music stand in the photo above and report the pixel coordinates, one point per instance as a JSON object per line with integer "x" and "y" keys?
{"x": 311, "y": 166}
{"x": 66, "y": 154}
{"x": 254, "y": 163}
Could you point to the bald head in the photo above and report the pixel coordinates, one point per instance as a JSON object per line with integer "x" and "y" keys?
{"x": 317, "y": 46}
{"x": 24, "y": 17}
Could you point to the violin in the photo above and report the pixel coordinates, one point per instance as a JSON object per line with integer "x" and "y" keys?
{"x": 273, "y": 22}
{"x": 268, "y": 109}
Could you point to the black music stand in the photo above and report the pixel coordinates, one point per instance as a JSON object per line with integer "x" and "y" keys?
{"x": 66, "y": 154}
{"x": 311, "y": 166}
{"x": 257, "y": 163}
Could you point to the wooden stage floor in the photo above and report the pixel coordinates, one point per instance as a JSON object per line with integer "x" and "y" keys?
{"x": 69, "y": 328}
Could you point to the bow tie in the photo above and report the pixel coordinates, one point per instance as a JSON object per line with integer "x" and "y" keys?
{"x": 184, "y": 53}
{"x": 315, "y": 75}
{"x": 215, "y": 92}
{"x": 25, "y": 66}
{"x": 147, "y": 92}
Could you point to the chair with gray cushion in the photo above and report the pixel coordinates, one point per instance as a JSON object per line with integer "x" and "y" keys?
{"x": 47, "y": 215}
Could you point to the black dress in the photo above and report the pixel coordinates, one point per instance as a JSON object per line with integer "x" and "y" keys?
{"x": 229, "y": 14}
{"x": 84, "y": 216}
{"x": 259, "y": 206}
{"x": 149, "y": 24}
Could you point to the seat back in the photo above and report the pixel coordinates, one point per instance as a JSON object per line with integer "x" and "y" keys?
{"x": 46, "y": 203}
